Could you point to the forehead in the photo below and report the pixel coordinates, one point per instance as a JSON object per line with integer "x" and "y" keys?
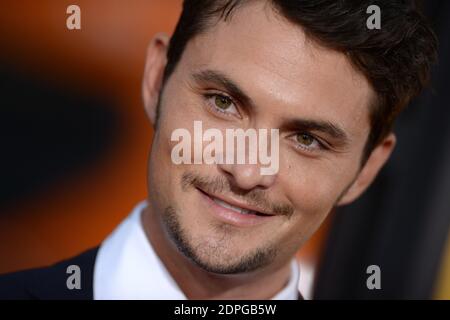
{"x": 282, "y": 70}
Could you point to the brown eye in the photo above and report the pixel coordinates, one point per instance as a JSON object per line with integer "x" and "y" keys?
{"x": 305, "y": 139}
{"x": 222, "y": 102}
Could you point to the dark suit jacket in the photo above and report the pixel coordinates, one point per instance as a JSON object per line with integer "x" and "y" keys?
{"x": 50, "y": 283}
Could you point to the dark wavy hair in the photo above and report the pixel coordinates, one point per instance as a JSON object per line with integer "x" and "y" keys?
{"x": 396, "y": 59}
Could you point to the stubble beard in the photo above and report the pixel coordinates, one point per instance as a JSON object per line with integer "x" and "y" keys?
{"x": 214, "y": 256}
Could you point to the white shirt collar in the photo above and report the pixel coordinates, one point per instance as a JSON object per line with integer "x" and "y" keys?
{"x": 127, "y": 267}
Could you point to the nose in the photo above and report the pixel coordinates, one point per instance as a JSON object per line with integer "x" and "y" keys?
{"x": 247, "y": 176}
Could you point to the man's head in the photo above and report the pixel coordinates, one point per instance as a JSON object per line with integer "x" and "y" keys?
{"x": 311, "y": 69}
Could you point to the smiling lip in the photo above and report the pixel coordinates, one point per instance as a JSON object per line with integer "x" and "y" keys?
{"x": 230, "y": 212}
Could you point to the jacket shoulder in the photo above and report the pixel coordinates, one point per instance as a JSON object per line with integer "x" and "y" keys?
{"x": 50, "y": 283}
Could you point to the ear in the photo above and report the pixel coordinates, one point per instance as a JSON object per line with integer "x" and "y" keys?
{"x": 156, "y": 61}
{"x": 367, "y": 174}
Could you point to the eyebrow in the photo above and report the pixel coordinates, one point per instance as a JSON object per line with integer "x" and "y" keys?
{"x": 221, "y": 80}
{"x": 326, "y": 127}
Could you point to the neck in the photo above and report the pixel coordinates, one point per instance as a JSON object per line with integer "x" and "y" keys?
{"x": 197, "y": 283}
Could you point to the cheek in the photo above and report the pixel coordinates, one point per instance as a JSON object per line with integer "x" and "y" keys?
{"x": 164, "y": 174}
{"x": 311, "y": 191}
{"x": 313, "y": 187}
{"x": 314, "y": 193}
{"x": 312, "y": 201}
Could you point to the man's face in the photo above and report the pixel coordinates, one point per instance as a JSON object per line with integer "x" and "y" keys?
{"x": 311, "y": 94}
